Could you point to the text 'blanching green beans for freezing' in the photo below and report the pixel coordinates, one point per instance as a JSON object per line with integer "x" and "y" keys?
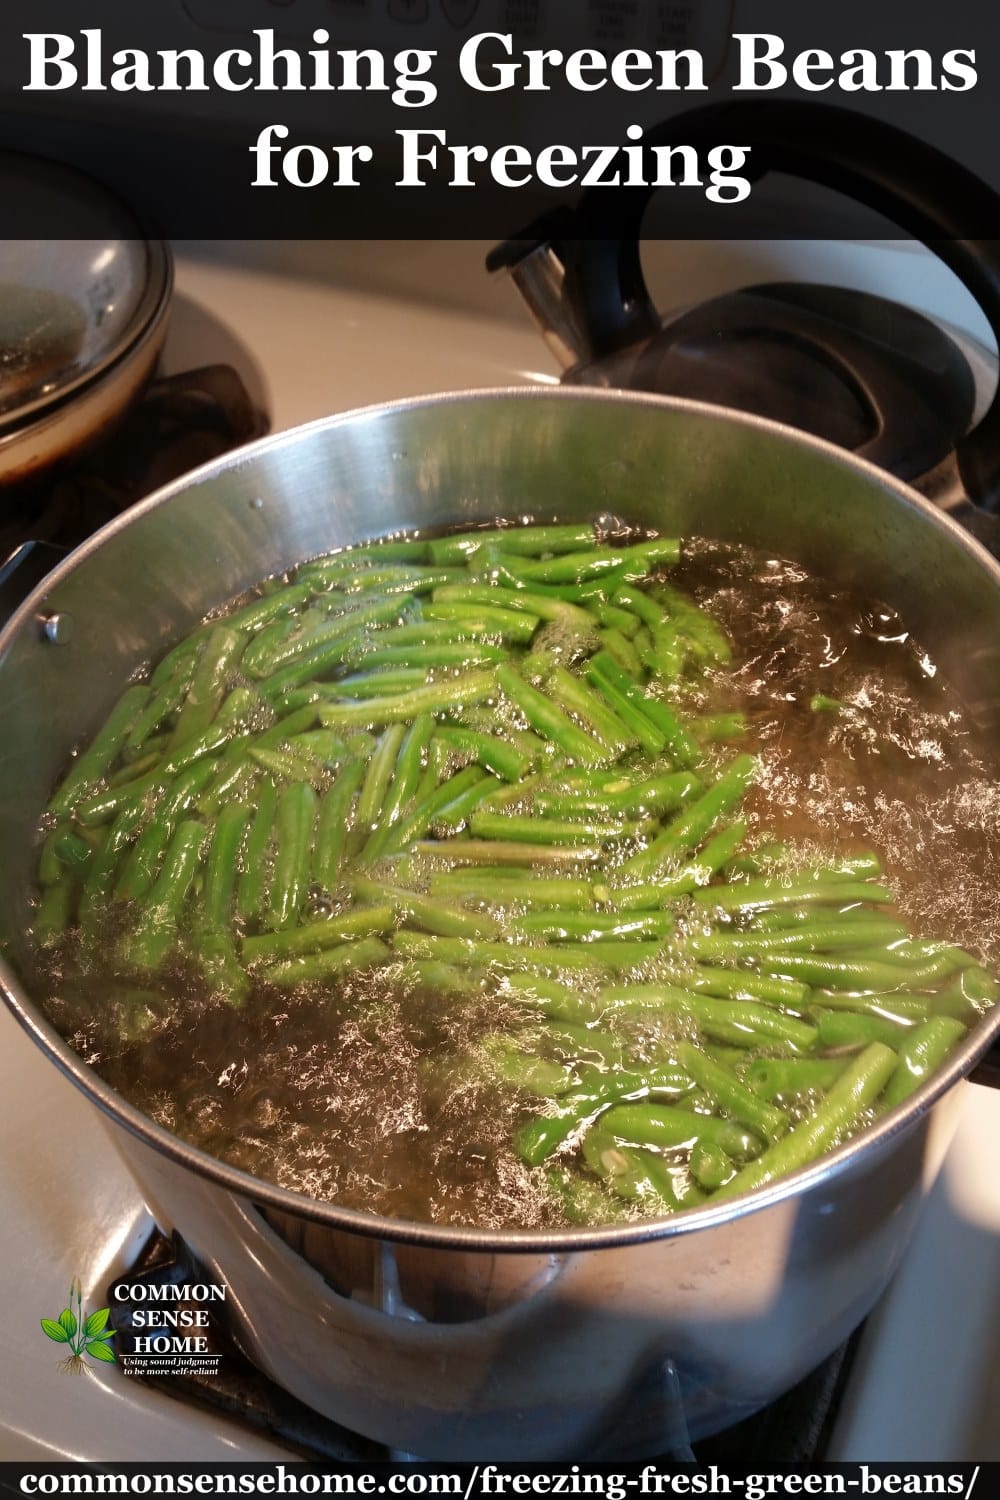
{"x": 507, "y": 768}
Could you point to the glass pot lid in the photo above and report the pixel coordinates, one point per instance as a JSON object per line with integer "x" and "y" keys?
{"x": 69, "y": 308}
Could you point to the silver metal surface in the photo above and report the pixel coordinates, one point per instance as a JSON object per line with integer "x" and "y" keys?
{"x": 452, "y": 1342}
{"x": 58, "y": 629}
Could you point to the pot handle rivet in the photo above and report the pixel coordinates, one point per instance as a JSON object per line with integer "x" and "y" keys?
{"x": 58, "y": 629}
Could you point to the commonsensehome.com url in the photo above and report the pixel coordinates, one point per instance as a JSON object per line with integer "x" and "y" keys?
{"x": 498, "y": 1480}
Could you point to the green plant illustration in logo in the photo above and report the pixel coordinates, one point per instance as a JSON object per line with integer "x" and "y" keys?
{"x": 88, "y": 1335}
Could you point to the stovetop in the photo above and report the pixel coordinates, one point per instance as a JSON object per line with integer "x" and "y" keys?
{"x": 923, "y": 1380}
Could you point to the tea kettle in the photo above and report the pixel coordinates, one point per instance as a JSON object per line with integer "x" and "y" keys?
{"x": 867, "y": 373}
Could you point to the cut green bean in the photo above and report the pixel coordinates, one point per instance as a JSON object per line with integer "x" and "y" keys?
{"x": 921, "y": 1053}
{"x": 330, "y": 932}
{"x": 92, "y": 763}
{"x": 294, "y": 824}
{"x": 329, "y": 963}
{"x": 853, "y": 1092}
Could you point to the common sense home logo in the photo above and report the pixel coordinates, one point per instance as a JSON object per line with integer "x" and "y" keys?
{"x": 86, "y": 1337}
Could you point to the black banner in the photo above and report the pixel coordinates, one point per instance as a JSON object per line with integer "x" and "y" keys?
{"x": 380, "y": 118}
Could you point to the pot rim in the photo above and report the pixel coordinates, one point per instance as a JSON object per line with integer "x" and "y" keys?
{"x": 469, "y": 1238}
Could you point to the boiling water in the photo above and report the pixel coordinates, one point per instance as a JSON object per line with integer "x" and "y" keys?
{"x": 373, "y": 1096}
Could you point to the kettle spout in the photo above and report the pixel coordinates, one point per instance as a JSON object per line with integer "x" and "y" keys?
{"x": 539, "y": 274}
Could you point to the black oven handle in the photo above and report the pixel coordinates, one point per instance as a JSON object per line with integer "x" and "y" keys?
{"x": 912, "y": 184}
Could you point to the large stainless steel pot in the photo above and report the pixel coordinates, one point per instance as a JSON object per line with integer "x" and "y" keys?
{"x": 453, "y": 1343}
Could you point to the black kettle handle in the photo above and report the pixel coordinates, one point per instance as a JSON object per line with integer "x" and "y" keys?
{"x": 912, "y": 184}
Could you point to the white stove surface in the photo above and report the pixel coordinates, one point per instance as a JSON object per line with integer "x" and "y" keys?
{"x": 926, "y": 1385}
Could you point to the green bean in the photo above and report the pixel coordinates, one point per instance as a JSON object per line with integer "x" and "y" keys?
{"x": 330, "y": 652}
{"x": 294, "y": 824}
{"x": 180, "y": 660}
{"x": 295, "y": 639}
{"x": 620, "y": 623}
{"x": 816, "y": 936}
{"x": 373, "y": 791}
{"x": 140, "y": 866}
{"x": 665, "y": 654}
{"x": 334, "y": 821}
{"x": 551, "y": 998}
{"x": 426, "y": 808}
{"x": 103, "y": 867}
{"x": 488, "y": 887}
{"x": 330, "y": 749}
{"x": 434, "y": 698}
{"x": 737, "y": 1022}
{"x": 658, "y": 794}
{"x": 445, "y": 653}
{"x": 744, "y": 984}
{"x": 377, "y": 684}
{"x": 921, "y": 1053}
{"x": 596, "y": 955}
{"x": 254, "y": 882}
{"x": 574, "y": 567}
{"x": 577, "y": 621}
{"x": 841, "y": 1028}
{"x": 675, "y": 737}
{"x": 539, "y": 1137}
{"x": 767, "y": 893}
{"x": 729, "y": 1094}
{"x": 534, "y": 830}
{"x": 71, "y": 852}
{"x": 461, "y": 808}
{"x": 494, "y": 754}
{"x": 55, "y": 911}
{"x": 618, "y": 646}
{"x": 408, "y": 770}
{"x": 705, "y": 634}
{"x": 639, "y": 604}
{"x": 428, "y": 914}
{"x": 50, "y": 867}
{"x": 695, "y": 822}
{"x": 577, "y": 926}
{"x": 208, "y": 685}
{"x": 260, "y": 612}
{"x": 857, "y": 1088}
{"x": 92, "y": 764}
{"x": 770, "y": 1077}
{"x": 285, "y": 765}
{"x": 666, "y": 1127}
{"x": 160, "y": 704}
{"x": 288, "y": 726}
{"x": 710, "y": 1166}
{"x": 838, "y": 973}
{"x": 897, "y": 1006}
{"x": 697, "y": 872}
{"x": 156, "y": 934}
{"x": 492, "y": 621}
{"x": 576, "y": 698}
{"x": 522, "y": 1070}
{"x": 711, "y": 728}
{"x": 443, "y": 979}
{"x": 521, "y": 540}
{"x": 328, "y": 963}
{"x": 222, "y": 865}
{"x": 548, "y": 720}
{"x": 582, "y": 1200}
{"x": 360, "y": 922}
{"x": 651, "y": 739}
{"x": 507, "y": 852}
